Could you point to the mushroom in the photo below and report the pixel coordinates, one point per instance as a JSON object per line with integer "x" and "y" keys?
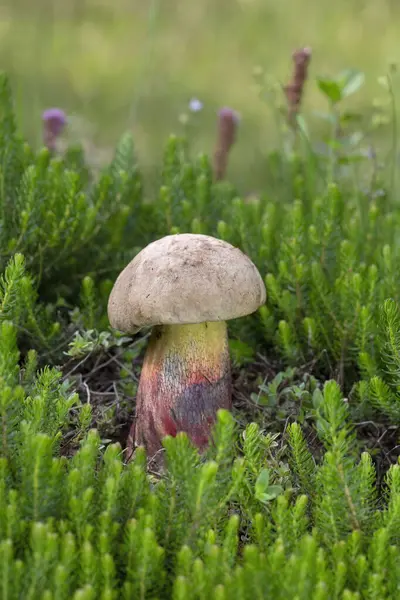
{"x": 186, "y": 286}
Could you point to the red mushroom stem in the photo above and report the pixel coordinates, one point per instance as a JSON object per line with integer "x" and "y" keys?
{"x": 185, "y": 380}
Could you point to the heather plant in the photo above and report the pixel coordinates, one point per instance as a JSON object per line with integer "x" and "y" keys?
{"x": 288, "y": 503}
{"x": 228, "y": 525}
{"x": 56, "y": 218}
{"x": 324, "y": 242}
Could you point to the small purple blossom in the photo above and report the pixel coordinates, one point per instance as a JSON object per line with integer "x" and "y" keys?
{"x": 228, "y": 121}
{"x": 195, "y": 105}
{"x": 55, "y": 118}
{"x": 229, "y": 114}
{"x": 54, "y": 121}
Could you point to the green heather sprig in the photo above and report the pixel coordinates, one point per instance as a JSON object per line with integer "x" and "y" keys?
{"x": 227, "y": 525}
{"x": 326, "y": 247}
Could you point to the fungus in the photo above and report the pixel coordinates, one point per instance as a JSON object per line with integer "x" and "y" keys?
{"x": 185, "y": 286}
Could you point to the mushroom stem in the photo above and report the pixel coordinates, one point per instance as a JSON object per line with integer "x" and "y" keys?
{"x": 185, "y": 380}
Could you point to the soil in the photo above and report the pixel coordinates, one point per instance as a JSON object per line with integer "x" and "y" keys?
{"x": 98, "y": 380}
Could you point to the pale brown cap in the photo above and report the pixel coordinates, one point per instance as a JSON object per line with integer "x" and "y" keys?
{"x": 185, "y": 278}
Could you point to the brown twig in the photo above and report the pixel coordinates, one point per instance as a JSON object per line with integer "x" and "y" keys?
{"x": 294, "y": 89}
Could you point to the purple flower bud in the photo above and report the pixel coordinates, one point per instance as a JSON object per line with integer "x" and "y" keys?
{"x": 229, "y": 114}
{"x": 228, "y": 121}
{"x": 54, "y": 120}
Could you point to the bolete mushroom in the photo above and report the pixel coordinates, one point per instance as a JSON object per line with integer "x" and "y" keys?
{"x": 185, "y": 286}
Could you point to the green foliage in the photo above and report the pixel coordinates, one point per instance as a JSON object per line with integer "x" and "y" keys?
{"x": 53, "y": 215}
{"x": 338, "y": 88}
{"x": 260, "y": 514}
{"x": 382, "y": 389}
{"x": 301, "y": 458}
{"x": 325, "y": 246}
{"x": 91, "y": 526}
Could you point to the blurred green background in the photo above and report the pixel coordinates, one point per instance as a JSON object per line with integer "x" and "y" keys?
{"x": 128, "y": 64}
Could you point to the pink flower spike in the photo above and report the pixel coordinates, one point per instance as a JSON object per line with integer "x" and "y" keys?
{"x": 54, "y": 121}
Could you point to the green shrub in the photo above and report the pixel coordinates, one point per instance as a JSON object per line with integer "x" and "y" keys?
{"x": 262, "y": 514}
{"x": 229, "y": 525}
{"x": 327, "y": 247}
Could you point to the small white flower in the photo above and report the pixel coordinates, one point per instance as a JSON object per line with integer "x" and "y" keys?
{"x": 195, "y": 105}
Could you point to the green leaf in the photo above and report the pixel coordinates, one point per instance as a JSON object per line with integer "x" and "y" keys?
{"x": 330, "y": 88}
{"x": 346, "y": 84}
{"x": 264, "y": 498}
{"x": 352, "y": 81}
{"x": 317, "y": 398}
{"x": 303, "y": 127}
{"x": 263, "y": 491}
{"x": 274, "y": 490}
{"x": 262, "y": 482}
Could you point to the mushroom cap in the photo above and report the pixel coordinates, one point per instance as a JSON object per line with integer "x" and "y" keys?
{"x": 185, "y": 279}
